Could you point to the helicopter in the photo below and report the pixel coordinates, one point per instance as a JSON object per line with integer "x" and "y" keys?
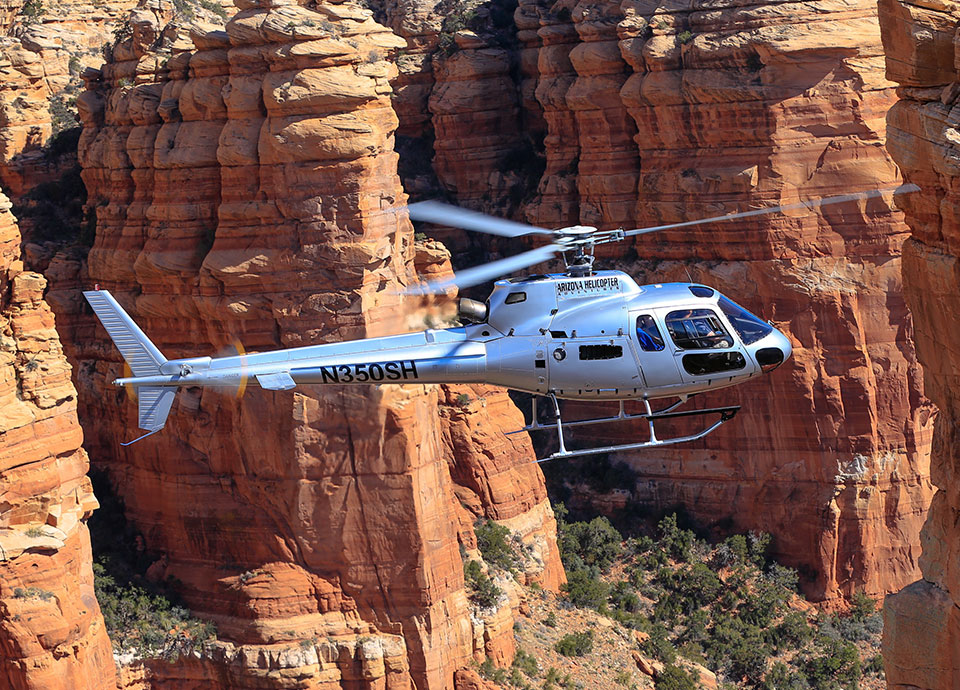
{"x": 581, "y": 334}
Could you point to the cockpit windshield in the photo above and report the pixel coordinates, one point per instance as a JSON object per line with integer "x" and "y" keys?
{"x": 749, "y": 327}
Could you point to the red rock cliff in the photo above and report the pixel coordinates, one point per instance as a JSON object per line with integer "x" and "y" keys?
{"x": 922, "y": 622}
{"x": 246, "y": 190}
{"x": 51, "y": 632}
{"x": 656, "y": 114}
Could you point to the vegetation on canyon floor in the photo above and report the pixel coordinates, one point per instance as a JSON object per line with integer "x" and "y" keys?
{"x": 142, "y": 615}
{"x": 681, "y": 602}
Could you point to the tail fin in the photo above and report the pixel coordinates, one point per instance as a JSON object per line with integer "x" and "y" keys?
{"x": 141, "y": 355}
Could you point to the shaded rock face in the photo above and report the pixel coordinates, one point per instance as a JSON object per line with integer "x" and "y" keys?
{"x": 51, "y": 632}
{"x": 651, "y": 114}
{"x": 245, "y": 187}
{"x": 922, "y": 622}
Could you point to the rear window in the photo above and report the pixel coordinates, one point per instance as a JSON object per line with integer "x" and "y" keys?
{"x": 649, "y": 334}
{"x": 697, "y": 329}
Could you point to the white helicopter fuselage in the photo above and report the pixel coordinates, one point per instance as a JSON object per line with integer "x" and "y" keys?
{"x": 573, "y": 337}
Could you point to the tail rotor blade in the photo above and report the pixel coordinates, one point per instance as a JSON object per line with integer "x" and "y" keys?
{"x": 129, "y": 387}
{"x": 813, "y": 203}
{"x": 495, "y": 269}
{"x": 444, "y": 214}
{"x": 244, "y": 376}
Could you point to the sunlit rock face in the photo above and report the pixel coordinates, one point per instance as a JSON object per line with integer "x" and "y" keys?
{"x": 650, "y": 114}
{"x": 922, "y": 621}
{"x": 246, "y": 192}
{"x": 51, "y": 632}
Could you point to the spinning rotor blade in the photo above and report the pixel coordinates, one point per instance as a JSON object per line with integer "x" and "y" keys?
{"x": 444, "y": 214}
{"x": 485, "y": 272}
{"x": 813, "y": 203}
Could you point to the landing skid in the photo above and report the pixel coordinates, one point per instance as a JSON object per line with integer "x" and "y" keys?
{"x": 726, "y": 414}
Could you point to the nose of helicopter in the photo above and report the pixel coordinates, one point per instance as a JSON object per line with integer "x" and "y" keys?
{"x": 773, "y": 351}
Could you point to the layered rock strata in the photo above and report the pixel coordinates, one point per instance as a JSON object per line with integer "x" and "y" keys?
{"x": 52, "y": 635}
{"x": 245, "y": 187}
{"x": 921, "y": 645}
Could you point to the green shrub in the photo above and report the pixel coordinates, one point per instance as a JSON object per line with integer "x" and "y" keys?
{"x": 214, "y": 7}
{"x": 551, "y": 620}
{"x": 526, "y": 663}
{"x": 685, "y": 36}
{"x": 659, "y": 646}
{"x": 463, "y": 400}
{"x": 675, "y": 678}
{"x": 32, "y": 593}
{"x": 793, "y": 632}
{"x": 491, "y": 672}
{"x": 874, "y": 666}
{"x": 595, "y": 543}
{"x": 862, "y": 607}
{"x": 493, "y": 540}
{"x": 837, "y": 666}
{"x": 63, "y": 113}
{"x": 677, "y": 542}
{"x": 35, "y": 532}
{"x": 781, "y": 677}
{"x": 585, "y": 591}
{"x": 575, "y": 644}
{"x": 484, "y": 591}
{"x": 32, "y": 11}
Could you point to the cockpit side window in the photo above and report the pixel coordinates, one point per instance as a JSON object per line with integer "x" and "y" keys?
{"x": 697, "y": 329}
{"x": 648, "y": 334}
{"x": 748, "y": 327}
{"x": 515, "y": 298}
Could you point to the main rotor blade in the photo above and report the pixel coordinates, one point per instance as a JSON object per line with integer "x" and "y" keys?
{"x": 485, "y": 272}
{"x": 444, "y": 214}
{"x": 813, "y": 203}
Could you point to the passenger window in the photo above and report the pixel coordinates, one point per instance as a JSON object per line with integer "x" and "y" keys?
{"x": 697, "y": 329}
{"x": 600, "y": 351}
{"x": 648, "y": 334}
{"x": 713, "y": 362}
{"x": 515, "y": 298}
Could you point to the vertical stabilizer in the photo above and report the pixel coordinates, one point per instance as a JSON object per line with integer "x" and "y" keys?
{"x": 143, "y": 356}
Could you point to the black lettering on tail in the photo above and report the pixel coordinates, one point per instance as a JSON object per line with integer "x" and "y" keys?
{"x": 409, "y": 367}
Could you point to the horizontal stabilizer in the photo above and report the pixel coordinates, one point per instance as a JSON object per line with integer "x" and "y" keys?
{"x": 276, "y": 382}
{"x": 155, "y": 402}
{"x": 143, "y": 356}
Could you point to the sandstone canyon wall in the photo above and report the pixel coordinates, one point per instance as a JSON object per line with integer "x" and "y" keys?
{"x": 52, "y": 635}
{"x": 651, "y": 112}
{"x": 922, "y": 622}
{"x": 245, "y": 188}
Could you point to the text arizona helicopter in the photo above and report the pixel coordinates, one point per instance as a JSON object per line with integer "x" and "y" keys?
{"x": 581, "y": 334}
